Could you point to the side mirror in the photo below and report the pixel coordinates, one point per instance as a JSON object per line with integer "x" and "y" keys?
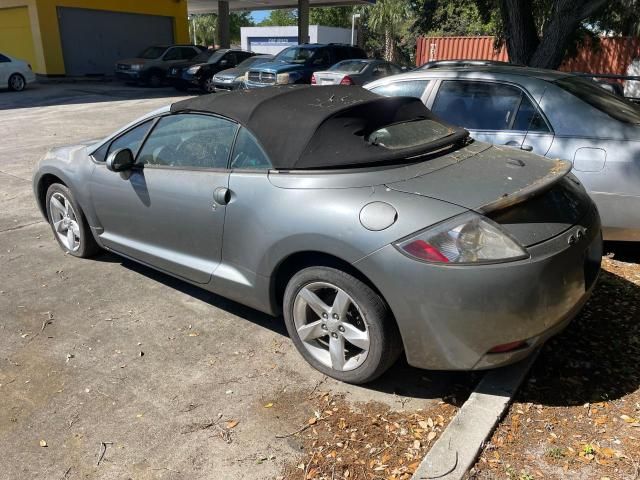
{"x": 120, "y": 160}
{"x": 224, "y": 62}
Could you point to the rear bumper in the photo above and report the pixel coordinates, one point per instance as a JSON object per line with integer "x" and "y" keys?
{"x": 450, "y": 317}
{"x": 128, "y": 75}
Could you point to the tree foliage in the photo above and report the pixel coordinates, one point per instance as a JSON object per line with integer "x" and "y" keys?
{"x": 538, "y": 33}
{"x": 331, "y": 16}
{"x": 280, "y": 18}
{"x": 202, "y": 28}
{"x": 389, "y": 18}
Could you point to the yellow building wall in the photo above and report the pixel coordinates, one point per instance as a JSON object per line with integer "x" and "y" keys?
{"x": 16, "y": 39}
{"x": 43, "y": 18}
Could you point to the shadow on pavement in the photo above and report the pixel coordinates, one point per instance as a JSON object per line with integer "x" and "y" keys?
{"x": 73, "y": 93}
{"x": 623, "y": 251}
{"x": 401, "y": 379}
{"x": 596, "y": 358}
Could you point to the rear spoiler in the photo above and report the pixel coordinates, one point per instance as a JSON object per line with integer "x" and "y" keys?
{"x": 557, "y": 171}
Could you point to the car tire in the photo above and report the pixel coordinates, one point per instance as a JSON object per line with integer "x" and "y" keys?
{"x": 154, "y": 80}
{"x": 65, "y": 215}
{"x": 17, "y": 82}
{"x": 208, "y": 85}
{"x": 367, "y": 312}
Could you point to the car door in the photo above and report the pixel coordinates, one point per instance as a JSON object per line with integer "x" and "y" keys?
{"x": 169, "y": 210}
{"x": 173, "y": 56}
{"x": 487, "y": 109}
{"x": 5, "y": 66}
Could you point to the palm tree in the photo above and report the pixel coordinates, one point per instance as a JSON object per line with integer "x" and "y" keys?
{"x": 388, "y": 17}
{"x": 203, "y": 28}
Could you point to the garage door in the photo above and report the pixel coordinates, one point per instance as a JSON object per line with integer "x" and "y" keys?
{"x": 15, "y": 34}
{"x": 93, "y": 40}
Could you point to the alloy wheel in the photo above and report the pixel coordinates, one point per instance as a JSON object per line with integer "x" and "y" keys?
{"x": 16, "y": 82}
{"x": 65, "y": 221}
{"x": 209, "y": 86}
{"x": 331, "y": 326}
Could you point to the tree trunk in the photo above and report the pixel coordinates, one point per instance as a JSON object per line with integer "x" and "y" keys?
{"x": 389, "y": 45}
{"x": 520, "y": 34}
{"x": 566, "y": 16}
{"x": 519, "y": 30}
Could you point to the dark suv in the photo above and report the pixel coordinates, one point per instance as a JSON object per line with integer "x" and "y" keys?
{"x": 296, "y": 64}
{"x": 199, "y": 71}
{"x": 151, "y": 65}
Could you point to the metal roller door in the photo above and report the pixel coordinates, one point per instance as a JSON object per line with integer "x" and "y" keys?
{"x": 93, "y": 40}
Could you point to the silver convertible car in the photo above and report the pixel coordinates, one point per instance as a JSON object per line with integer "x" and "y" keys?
{"x": 368, "y": 223}
{"x": 550, "y": 113}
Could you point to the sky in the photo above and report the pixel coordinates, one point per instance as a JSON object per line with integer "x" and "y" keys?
{"x": 259, "y": 15}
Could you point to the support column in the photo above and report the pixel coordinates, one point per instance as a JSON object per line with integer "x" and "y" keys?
{"x": 224, "y": 34}
{"x": 303, "y": 21}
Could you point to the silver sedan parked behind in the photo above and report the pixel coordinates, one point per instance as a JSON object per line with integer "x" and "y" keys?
{"x": 355, "y": 72}
{"x": 372, "y": 226}
{"x": 550, "y": 113}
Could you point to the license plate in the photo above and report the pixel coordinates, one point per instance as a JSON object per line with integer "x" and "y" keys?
{"x": 326, "y": 81}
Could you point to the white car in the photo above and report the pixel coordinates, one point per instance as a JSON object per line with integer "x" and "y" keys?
{"x": 15, "y": 73}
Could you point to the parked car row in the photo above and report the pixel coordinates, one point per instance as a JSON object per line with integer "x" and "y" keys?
{"x": 228, "y": 69}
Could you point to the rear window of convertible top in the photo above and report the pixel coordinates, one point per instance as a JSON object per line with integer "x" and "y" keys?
{"x": 409, "y": 134}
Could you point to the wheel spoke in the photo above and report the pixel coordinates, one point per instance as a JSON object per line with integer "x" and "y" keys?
{"x": 355, "y": 336}
{"x": 311, "y": 331}
{"x": 75, "y": 228}
{"x": 341, "y": 303}
{"x": 58, "y": 226}
{"x": 71, "y": 239}
{"x": 314, "y": 301}
{"x": 336, "y": 352}
{"x": 58, "y": 205}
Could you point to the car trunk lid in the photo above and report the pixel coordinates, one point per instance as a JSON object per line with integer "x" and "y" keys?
{"x": 329, "y": 78}
{"x": 525, "y": 193}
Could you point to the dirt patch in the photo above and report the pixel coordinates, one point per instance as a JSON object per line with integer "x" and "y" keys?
{"x": 341, "y": 440}
{"x": 578, "y": 416}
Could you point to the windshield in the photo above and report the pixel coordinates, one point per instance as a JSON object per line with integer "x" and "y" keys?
{"x": 409, "y": 134}
{"x": 152, "y": 52}
{"x": 596, "y": 96}
{"x": 251, "y": 60}
{"x": 349, "y": 66}
{"x": 296, "y": 54}
{"x": 204, "y": 57}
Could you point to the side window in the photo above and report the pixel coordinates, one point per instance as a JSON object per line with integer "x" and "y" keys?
{"x": 187, "y": 53}
{"x": 231, "y": 59}
{"x": 172, "y": 54}
{"x": 248, "y": 154}
{"x": 477, "y": 105}
{"x": 529, "y": 118}
{"x": 411, "y": 88}
{"x": 380, "y": 70}
{"x": 189, "y": 141}
{"x": 322, "y": 57}
{"x": 4, "y": 59}
{"x": 131, "y": 140}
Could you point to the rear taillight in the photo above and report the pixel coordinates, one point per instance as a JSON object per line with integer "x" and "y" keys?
{"x": 465, "y": 239}
{"x": 347, "y": 80}
{"x": 508, "y": 347}
{"x": 313, "y": 80}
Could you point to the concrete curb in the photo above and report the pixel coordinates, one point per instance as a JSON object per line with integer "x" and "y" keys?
{"x": 455, "y": 452}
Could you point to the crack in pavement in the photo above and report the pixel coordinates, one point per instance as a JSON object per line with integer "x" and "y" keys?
{"x": 15, "y": 176}
{"x": 18, "y": 227}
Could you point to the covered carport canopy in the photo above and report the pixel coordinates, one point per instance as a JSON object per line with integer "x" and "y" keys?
{"x": 223, "y": 7}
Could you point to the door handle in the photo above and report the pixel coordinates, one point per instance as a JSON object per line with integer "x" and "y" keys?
{"x": 222, "y": 195}
{"x": 526, "y": 148}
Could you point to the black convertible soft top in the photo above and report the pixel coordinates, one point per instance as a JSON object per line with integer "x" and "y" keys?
{"x": 304, "y": 127}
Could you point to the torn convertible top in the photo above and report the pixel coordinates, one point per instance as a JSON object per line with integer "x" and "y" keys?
{"x": 304, "y": 127}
